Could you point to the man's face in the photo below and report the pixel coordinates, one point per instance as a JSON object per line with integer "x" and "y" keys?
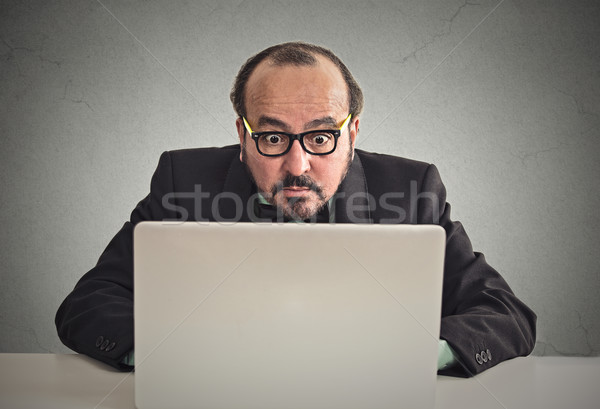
{"x": 297, "y": 99}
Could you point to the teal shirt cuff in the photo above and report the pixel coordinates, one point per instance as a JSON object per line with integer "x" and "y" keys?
{"x": 446, "y": 355}
{"x": 129, "y": 359}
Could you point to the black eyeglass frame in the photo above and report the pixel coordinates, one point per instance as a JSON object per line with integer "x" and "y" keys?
{"x": 299, "y": 136}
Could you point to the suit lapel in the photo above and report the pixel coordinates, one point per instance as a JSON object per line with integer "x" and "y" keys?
{"x": 351, "y": 202}
{"x": 234, "y": 203}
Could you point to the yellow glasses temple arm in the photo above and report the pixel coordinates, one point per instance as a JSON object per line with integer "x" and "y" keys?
{"x": 247, "y": 125}
{"x": 346, "y": 121}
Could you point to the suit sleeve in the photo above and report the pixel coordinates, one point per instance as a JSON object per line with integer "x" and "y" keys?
{"x": 482, "y": 319}
{"x": 96, "y": 318}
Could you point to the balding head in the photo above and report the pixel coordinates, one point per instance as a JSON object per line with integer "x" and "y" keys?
{"x": 295, "y": 54}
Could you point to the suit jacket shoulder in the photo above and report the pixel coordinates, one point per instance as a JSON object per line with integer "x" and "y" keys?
{"x": 189, "y": 167}
{"x": 402, "y": 190}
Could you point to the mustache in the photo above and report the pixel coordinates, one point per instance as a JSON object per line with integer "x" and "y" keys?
{"x": 297, "y": 181}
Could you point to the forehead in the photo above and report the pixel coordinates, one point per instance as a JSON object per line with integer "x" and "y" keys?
{"x": 304, "y": 91}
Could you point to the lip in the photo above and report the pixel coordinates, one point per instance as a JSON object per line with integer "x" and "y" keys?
{"x": 294, "y": 191}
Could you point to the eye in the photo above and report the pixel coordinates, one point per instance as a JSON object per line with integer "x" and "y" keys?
{"x": 273, "y": 139}
{"x": 319, "y": 138}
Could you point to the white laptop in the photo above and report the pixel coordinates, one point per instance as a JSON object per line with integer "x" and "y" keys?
{"x": 282, "y": 316}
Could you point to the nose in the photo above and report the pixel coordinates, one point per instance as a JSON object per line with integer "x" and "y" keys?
{"x": 296, "y": 161}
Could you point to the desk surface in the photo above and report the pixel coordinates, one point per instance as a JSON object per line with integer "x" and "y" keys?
{"x": 74, "y": 381}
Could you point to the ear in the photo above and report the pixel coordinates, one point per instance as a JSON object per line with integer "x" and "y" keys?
{"x": 241, "y": 130}
{"x": 354, "y": 132}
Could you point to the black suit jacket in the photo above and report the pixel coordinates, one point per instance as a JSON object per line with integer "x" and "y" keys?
{"x": 480, "y": 313}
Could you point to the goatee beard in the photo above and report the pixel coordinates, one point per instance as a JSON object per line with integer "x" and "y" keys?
{"x": 295, "y": 207}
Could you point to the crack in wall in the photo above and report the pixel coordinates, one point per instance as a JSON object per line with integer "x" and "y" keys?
{"x": 11, "y": 55}
{"x": 460, "y": 8}
{"x": 524, "y": 156}
{"x": 578, "y": 104}
{"x": 447, "y": 31}
{"x": 13, "y": 49}
{"x": 79, "y": 100}
{"x": 543, "y": 348}
{"x": 586, "y": 333}
{"x": 32, "y": 336}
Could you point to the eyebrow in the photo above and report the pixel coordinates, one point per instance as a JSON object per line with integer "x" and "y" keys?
{"x": 327, "y": 120}
{"x": 267, "y": 120}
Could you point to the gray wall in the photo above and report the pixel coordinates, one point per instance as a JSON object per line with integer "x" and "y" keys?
{"x": 503, "y": 96}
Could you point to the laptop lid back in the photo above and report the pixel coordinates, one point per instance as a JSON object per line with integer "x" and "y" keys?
{"x": 286, "y": 315}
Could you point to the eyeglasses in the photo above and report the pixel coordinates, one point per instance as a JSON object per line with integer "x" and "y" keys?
{"x": 275, "y": 143}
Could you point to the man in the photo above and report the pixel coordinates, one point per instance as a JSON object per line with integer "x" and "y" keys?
{"x": 298, "y": 111}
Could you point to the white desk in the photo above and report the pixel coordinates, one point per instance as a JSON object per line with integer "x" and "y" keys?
{"x": 48, "y": 381}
